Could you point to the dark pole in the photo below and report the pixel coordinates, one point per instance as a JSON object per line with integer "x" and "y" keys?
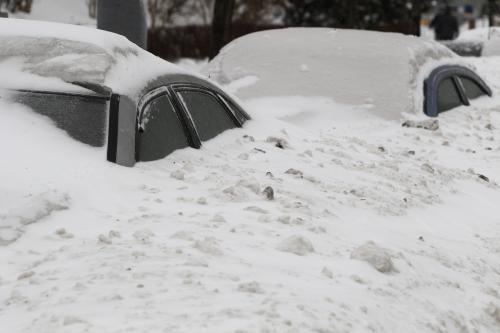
{"x": 2, "y": 14}
{"x": 417, "y": 17}
{"x": 352, "y": 16}
{"x": 127, "y": 18}
{"x": 491, "y": 12}
{"x": 221, "y": 25}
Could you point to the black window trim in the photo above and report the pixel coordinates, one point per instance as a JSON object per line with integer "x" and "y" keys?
{"x": 171, "y": 91}
{"x": 149, "y": 98}
{"x": 431, "y": 85}
{"x": 178, "y": 88}
{"x": 106, "y": 97}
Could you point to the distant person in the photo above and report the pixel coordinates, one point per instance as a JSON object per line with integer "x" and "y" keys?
{"x": 445, "y": 25}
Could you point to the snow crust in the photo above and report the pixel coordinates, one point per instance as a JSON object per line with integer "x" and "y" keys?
{"x": 352, "y": 67}
{"x": 195, "y": 242}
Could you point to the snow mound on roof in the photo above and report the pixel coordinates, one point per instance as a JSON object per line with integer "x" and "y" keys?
{"x": 51, "y": 57}
{"x": 353, "y": 67}
{"x": 77, "y": 54}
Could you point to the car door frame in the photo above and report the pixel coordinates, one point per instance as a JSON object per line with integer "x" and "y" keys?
{"x": 438, "y": 75}
{"x": 171, "y": 91}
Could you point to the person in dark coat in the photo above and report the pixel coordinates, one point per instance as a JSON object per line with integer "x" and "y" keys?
{"x": 445, "y": 25}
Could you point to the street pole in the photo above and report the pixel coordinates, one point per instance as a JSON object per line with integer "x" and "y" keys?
{"x": 127, "y": 18}
{"x": 221, "y": 25}
{"x": 2, "y": 14}
{"x": 491, "y": 12}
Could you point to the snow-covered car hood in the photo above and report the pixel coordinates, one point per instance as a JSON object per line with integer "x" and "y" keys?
{"x": 52, "y": 56}
{"x": 353, "y": 67}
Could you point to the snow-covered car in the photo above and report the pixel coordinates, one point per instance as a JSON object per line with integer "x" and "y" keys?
{"x": 105, "y": 91}
{"x": 391, "y": 73}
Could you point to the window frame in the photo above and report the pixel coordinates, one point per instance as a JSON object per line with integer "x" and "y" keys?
{"x": 182, "y": 87}
{"x": 171, "y": 91}
{"x": 437, "y": 76}
{"x": 149, "y": 98}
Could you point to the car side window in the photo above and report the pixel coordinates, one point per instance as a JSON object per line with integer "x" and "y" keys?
{"x": 448, "y": 96}
{"x": 162, "y": 131}
{"x": 450, "y": 86}
{"x": 472, "y": 89}
{"x": 83, "y": 117}
{"x": 209, "y": 115}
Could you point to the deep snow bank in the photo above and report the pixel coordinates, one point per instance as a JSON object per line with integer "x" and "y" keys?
{"x": 195, "y": 243}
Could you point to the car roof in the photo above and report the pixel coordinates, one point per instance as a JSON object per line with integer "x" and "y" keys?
{"x": 350, "y": 66}
{"x": 55, "y": 56}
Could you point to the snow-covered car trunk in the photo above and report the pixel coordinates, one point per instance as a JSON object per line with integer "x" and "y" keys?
{"x": 382, "y": 70}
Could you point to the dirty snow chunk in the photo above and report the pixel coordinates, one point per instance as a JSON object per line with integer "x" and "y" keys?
{"x": 179, "y": 175}
{"x": 295, "y": 172}
{"x": 256, "y": 209}
{"x": 268, "y": 193}
{"x": 326, "y": 272}
{"x": 202, "y": 201}
{"x": 251, "y": 185}
{"x": 428, "y": 168}
{"x": 494, "y": 311}
{"x": 298, "y": 245}
{"x": 143, "y": 236}
{"x": 376, "y": 256}
{"x": 208, "y": 245}
{"x": 196, "y": 262}
{"x": 104, "y": 240}
{"x": 71, "y": 320}
{"x": 428, "y": 124}
{"x": 63, "y": 233}
{"x": 26, "y": 275}
{"x": 183, "y": 235}
{"x": 278, "y": 142}
{"x": 243, "y": 156}
{"x": 235, "y": 193}
{"x": 114, "y": 234}
{"x": 251, "y": 287}
{"x": 218, "y": 218}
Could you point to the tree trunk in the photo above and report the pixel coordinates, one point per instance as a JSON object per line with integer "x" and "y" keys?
{"x": 221, "y": 25}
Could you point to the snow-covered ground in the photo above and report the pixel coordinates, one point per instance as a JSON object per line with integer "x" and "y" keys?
{"x": 370, "y": 226}
{"x": 315, "y": 217}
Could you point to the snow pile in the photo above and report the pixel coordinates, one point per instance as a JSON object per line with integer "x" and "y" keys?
{"x": 479, "y": 34}
{"x": 198, "y": 241}
{"x": 352, "y": 67}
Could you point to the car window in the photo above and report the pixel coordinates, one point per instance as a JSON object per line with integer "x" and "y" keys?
{"x": 472, "y": 89}
{"x": 210, "y": 117}
{"x": 83, "y": 117}
{"x": 162, "y": 131}
{"x": 448, "y": 96}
